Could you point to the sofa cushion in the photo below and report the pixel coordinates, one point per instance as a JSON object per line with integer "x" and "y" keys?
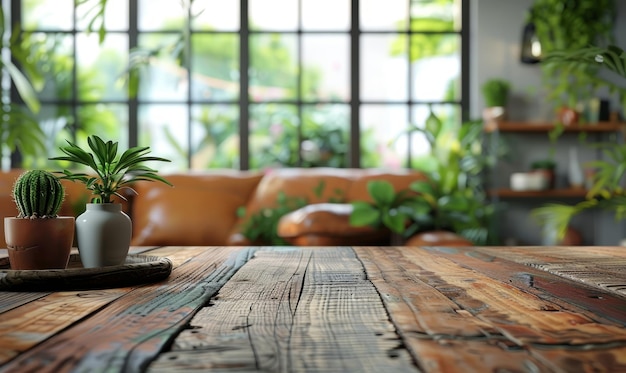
{"x": 327, "y": 224}
{"x": 316, "y": 185}
{"x": 199, "y": 210}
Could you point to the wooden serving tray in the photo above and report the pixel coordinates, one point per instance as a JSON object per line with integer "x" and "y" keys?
{"x": 138, "y": 269}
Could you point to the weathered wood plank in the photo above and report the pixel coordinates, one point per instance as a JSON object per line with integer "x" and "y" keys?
{"x": 429, "y": 313}
{"x": 292, "y": 310}
{"x": 128, "y": 333}
{"x": 592, "y": 301}
{"x": 24, "y": 327}
{"x": 10, "y": 300}
{"x": 597, "y": 266}
{"x": 41, "y": 315}
{"x": 522, "y": 320}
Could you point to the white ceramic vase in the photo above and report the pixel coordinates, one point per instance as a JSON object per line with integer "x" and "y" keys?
{"x": 575, "y": 172}
{"x": 103, "y": 235}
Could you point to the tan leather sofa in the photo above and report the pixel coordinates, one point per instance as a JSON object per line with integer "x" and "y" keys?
{"x": 201, "y": 208}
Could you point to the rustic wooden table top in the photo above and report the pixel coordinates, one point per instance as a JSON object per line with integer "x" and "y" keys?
{"x": 342, "y": 309}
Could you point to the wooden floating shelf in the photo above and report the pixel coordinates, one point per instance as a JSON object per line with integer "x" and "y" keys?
{"x": 550, "y": 193}
{"x": 549, "y": 126}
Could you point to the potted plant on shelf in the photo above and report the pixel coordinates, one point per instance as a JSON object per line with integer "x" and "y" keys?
{"x": 496, "y": 94}
{"x": 565, "y": 27}
{"x": 104, "y": 230}
{"x": 37, "y": 238}
{"x": 546, "y": 167}
{"x": 606, "y": 190}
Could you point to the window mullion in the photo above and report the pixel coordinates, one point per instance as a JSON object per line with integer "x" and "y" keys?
{"x": 244, "y": 101}
{"x": 133, "y": 103}
{"x": 355, "y": 96}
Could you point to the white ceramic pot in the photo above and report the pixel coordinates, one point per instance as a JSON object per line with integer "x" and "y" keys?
{"x": 103, "y": 235}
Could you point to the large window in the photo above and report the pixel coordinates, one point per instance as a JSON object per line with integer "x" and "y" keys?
{"x": 248, "y": 84}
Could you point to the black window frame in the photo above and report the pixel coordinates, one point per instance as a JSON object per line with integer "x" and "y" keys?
{"x": 244, "y": 102}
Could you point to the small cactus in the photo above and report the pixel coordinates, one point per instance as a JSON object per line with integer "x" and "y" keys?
{"x": 38, "y": 194}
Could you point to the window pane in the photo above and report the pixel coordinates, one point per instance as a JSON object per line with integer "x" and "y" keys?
{"x": 273, "y": 15}
{"x": 450, "y": 117}
{"x": 326, "y": 67}
{"x": 109, "y": 121}
{"x": 54, "y": 121}
{"x": 388, "y": 15}
{"x": 215, "y": 137}
{"x": 160, "y": 15}
{"x": 162, "y": 77}
{"x": 216, "y": 15}
{"x": 115, "y": 15}
{"x": 325, "y": 136}
{"x": 273, "y": 67}
{"x": 428, "y": 15}
{"x": 383, "y": 74}
{"x": 53, "y": 53}
{"x": 273, "y": 136}
{"x": 101, "y": 67}
{"x": 437, "y": 73}
{"x": 382, "y": 143}
{"x": 48, "y": 15}
{"x": 326, "y": 15}
{"x": 215, "y": 67}
{"x": 164, "y": 129}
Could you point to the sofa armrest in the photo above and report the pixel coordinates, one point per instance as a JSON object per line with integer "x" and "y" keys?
{"x": 327, "y": 224}
{"x": 437, "y": 238}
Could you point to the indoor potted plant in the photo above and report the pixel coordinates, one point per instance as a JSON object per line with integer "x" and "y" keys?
{"x": 452, "y": 198}
{"x": 104, "y": 231}
{"x": 37, "y": 238}
{"x": 565, "y": 27}
{"x": 496, "y": 94}
{"x": 606, "y": 190}
{"x": 388, "y": 209}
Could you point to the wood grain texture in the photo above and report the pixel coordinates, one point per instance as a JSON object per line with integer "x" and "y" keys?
{"x": 126, "y": 334}
{"x": 458, "y": 309}
{"x": 339, "y": 309}
{"x": 597, "y": 266}
{"x": 292, "y": 310}
{"x": 25, "y": 327}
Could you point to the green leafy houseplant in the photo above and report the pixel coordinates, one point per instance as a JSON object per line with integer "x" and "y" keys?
{"x": 19, "y": 128}
{"x": 565, "y": 26}
{"x": 452, "y": 198}
{"x": 496, "y": 92}
{"x": 389, "y": 209}
{"x": 606, "y": 191}
{"x": 112, "y": 171}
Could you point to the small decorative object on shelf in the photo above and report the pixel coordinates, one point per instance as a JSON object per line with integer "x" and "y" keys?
{"x": 38, "y": 238}
{"x": 529, "y": 181}
{"x": 575, "y": 174}
{"x": 546, "y": 167}
{"x": 104, "y": 230}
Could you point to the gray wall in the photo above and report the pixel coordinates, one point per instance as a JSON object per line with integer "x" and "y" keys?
{"x": 495, "y": 35}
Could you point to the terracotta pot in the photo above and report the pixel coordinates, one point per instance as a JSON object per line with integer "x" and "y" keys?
{"x": 567, "y": 116}
{"x": 39, "y": 243}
